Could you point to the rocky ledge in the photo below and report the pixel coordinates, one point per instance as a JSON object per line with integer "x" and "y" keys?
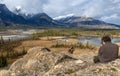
{"x": 40, "y": 61}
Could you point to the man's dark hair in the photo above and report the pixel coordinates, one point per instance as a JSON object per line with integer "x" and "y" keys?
{"x": 106, "y": 39}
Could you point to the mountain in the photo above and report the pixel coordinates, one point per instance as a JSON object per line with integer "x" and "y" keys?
{"x": 18, "y": 10}
{"x": 62, "y": 17}
{"x": 8, "y": 18}
{"x": 86, "y": 22}
{"x": 42, "y": 20}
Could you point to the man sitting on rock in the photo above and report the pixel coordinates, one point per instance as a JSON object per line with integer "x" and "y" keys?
{"x": 107, "y": 52}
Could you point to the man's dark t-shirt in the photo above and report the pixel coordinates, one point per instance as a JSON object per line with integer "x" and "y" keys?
{"x": 108, "y": 52}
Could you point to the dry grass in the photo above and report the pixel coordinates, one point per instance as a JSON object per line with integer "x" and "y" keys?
{"x": 48, "y": 43}
{"x": 52, "y": 37}
{"x": 52, "y": 41}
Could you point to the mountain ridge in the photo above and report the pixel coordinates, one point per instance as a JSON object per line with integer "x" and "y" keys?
{"x": 10, "y": 19}
{"x": 80, "y": 21}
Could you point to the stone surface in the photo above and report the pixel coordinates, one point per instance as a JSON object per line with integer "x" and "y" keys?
{"x": 4, "y": 73}
{"x": 40, "y": 61}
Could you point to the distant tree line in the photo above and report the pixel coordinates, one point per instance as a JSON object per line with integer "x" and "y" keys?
{"x": 75, "y": 32}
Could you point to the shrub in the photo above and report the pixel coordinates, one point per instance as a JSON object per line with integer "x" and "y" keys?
{"x": 7, "y": 51}
{"x": 79, "y": 45}
{"x": 1, "y": 40}
{"x": 24, "y": 51}
{"x": 3, "y": 61}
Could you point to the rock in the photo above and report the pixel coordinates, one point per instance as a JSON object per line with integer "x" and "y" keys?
{"x": 4, "y": 73}
{"x": 106, "y": 69}
{"x": 66, "y": 68}
{"x": 40, "y": 61}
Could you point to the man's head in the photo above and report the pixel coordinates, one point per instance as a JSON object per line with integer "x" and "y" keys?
{"x": 105, "y": 39}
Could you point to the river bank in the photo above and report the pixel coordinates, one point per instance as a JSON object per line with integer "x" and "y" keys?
{"x": 16, "y": 34}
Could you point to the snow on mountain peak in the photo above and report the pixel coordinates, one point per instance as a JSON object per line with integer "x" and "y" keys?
{"x": 65, "y": 16}
{"x": 18, "y": 8}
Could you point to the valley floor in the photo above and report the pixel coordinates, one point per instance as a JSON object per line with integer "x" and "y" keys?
{"x": 45, "y": 42}
{"x": 49, "y": 41}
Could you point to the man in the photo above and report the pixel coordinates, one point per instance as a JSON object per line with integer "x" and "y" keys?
{"x": 107, "y": 52}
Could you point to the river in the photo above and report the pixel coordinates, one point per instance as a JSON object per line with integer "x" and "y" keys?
{"x": 96, "y": 41}
{"x": 16, "y": 34}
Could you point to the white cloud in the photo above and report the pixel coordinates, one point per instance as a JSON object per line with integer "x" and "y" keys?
{"x": 100, "y": 9}
{"x": 111, "y": 19}
{"x": 29, "y": 6}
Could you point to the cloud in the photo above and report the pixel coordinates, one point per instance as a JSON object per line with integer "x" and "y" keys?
{"x": 28, "y": 6}
{"x": 99, "y": 9}
{"x": 111, "y": 19}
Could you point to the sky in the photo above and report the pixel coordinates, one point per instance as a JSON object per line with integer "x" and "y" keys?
{"x": 106, "y": 10}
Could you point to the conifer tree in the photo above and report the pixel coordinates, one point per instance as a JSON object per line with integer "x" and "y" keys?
{"x": 1, "y": 40}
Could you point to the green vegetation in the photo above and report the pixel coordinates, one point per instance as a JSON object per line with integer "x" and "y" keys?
{"x": 7, "y": 51}
{"x": 3, "y": 61}
{"x": 75, "y": 33}
{"x": 78, "y": 45}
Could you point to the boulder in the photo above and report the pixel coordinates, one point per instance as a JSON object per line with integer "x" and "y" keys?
{"x": 41, "y": 61}
{"x": 4, "y": 73}
{"x": 101, "y": 69}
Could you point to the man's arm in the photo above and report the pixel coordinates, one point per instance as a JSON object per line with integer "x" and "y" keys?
{"x": 118, "y": 50}
{"x": 100, "y": 51}
{"x": 97, "y": 58}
